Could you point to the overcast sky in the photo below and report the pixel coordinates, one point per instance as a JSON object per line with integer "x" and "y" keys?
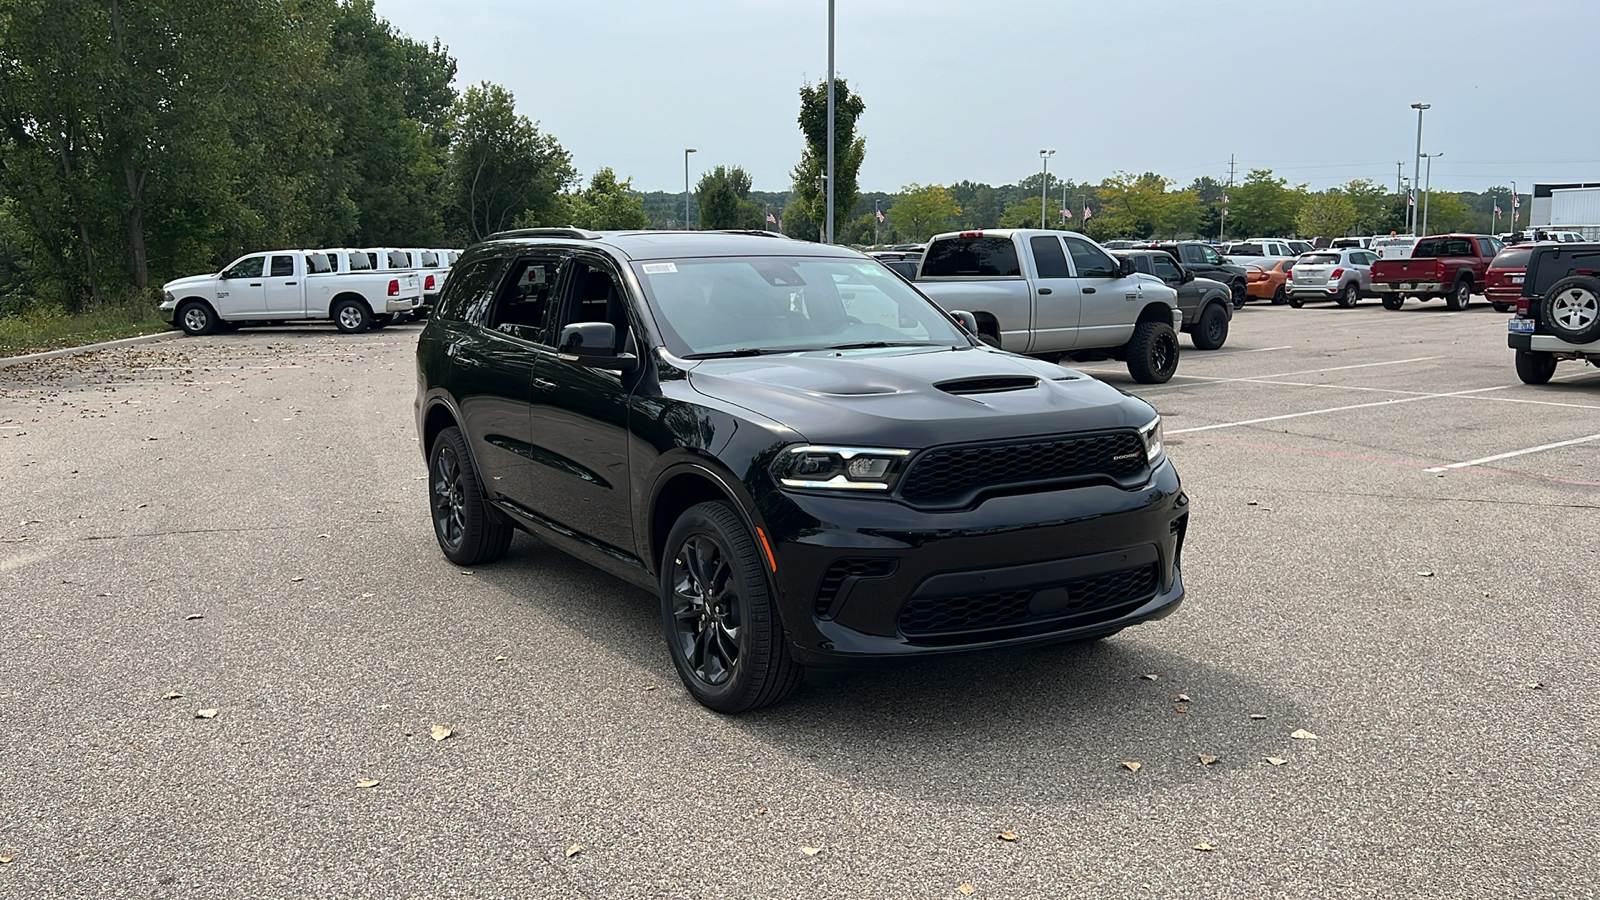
{"x": 1320, "y": 92}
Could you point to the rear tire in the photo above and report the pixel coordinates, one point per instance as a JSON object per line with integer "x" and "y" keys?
{"x": 722, "y": 627}
{"x": 1152, "y": 352}
{"x": 1211, "y": 331}
{"x": 1280, "y": 296}
{"x": 1571, "y": 309}
{"x": 1350, "y": 296}
{"x": 351, "y": 316}
{"x": 1535, "y": 366}
{"x": 1460, "y": 295}
{"x": 1393, "y": 301}
{"x": 1503, "y": 307}
{"x": 465, "y": 525}
{"x": 1296, "y": 302}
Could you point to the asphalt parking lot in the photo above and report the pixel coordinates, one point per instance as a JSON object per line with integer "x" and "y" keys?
{"x": 1391, "y": 549}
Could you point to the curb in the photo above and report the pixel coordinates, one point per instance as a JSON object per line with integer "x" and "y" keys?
{"x": 86, "y": 348}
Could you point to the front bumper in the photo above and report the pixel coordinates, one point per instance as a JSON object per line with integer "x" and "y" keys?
{"x": 860, "y": 579}
{"x": 169, "y": 311}
{"x": 1407, "y": 287}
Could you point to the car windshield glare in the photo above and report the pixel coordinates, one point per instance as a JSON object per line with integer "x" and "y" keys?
{"x": 1320, "y": 259}
{"x": 769, "y": 304}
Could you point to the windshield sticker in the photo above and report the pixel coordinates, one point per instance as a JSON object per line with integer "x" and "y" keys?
{"x": 660, "y": 268}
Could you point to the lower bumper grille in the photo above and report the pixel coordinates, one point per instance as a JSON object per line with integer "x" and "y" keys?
{"x": 1081, "y": 598}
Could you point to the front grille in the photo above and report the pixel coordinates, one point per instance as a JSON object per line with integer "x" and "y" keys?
{"x": 1007, "y": 609}
{"x": 834, "y": 579}
{"x": 947, "y": 475}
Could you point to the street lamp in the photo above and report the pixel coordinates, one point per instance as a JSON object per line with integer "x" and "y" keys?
{"x": 1427, "y": 191}
{"x": 1044, "y": 185}
{"x": 1416, "y": 169}
{"x": 686, "y": 152}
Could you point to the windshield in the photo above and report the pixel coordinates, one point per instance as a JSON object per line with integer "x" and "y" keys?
{"x": 751, "y": 305}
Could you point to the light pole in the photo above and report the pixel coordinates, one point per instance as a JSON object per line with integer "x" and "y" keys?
{"x": 686, "y": 152}
{"x": 1416, "y": 168}
{"x": 1044, "y": 186}
{"x": 827, "y": 237}
{"x": 1427, "y": 191}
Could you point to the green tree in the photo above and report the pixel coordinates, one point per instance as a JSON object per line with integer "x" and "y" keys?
{"x": 1263, "y": 206}
{"x": 1326, "y": 214}
{"x": 849, "y": 150}
{"x": 606, "y": 204}
{"x": 724, "y": 197}
{"x": 1445, "y": 212}
{"x": 1372, "y": 202}
{"x": 1140, "y": 206}
{"x": 1024, "y": 213}
{"x": 923, "y": 211}
{"x": 503, "y": 170}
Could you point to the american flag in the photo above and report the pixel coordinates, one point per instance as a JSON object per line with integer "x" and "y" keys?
{"x": 772, "y": 219}
{"x": 879, "y": 213}
{"x": 1066, "y": 213}
{"x": 1497, "y": 210}
{"x": 1087, "y": 212}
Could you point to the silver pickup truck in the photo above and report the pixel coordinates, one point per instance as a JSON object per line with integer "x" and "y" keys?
{"x": 1056, "y": 295}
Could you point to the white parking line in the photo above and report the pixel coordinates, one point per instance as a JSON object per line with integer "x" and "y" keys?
{"x": 1499, "y": 456}
{"x": 1333, "y": 409}
{"x": 1202, "y": 380}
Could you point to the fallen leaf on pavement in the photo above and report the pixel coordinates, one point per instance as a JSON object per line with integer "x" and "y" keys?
{"x": 501, "y": 658}
{"x": 6, "y": 859}
{"x": 192, "y": 616}
{"x": 298, "y": 578}
{"x": 1150, "y": 677}
{"x": 761, "y": 810}
{"x": 1251, "y": 503}
{"x": 1204, "y": 847}
{"x": 439, "y": 732}
{"x": 1130, "y": 765}
{"x": 651, "y": 687}
{"x": 574, "y": 850}
{"x": 365, "y": 595}
{"x": 1426, "y": 573}
{"x": 1300, "y": 734}
{"x": 468, "y": 572}
{"x": 1180, "y": 708}
{"x": 367, "y": 783}
{"x": 966, "y": 888}
{"x": 1181, "y": 698}
{"x": 205, "y": 714}
{"x": 171, "y": 695}
{"x": 1535, "y": 685}
{"x": 1207, "y": 759}
{"x": 1276, "y": 761}
{"x": 1258, "y": 715}
{"x": 1007, "y": 835}
{"x": 811, "y": 851}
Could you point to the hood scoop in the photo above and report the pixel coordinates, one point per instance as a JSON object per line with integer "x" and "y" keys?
{"x": 989, "y": 384}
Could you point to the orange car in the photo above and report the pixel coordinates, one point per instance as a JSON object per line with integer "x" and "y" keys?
{"x": 1265, "y": 281}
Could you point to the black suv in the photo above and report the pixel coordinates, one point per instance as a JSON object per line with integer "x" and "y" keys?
{"x": 805, "y": 459}
{"x": 1206, "y": 304}
{"x": 1558, "y": 316}
{"x": 1205, "y": 262}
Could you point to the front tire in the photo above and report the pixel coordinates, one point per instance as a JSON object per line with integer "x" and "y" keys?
{"x": 1295, "y": 302}
{"x": 1460, "y": 295}
{"x": 1535, "y": 366}
{"x": 1393, "y": 301}
{"x": 351, "y": 316}
{"x": 196, "y": 318}
{"x": 722, "y": 626}
{"x": 1152, "y": 352}
{"x": 1240, "y": 294}
{"x": 466, "y": 527}
{"x": 1350, "y": 296}
{"x": 1211, "y": 332}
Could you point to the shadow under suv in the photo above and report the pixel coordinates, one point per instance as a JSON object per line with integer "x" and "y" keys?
{"x": 805, "y": 460}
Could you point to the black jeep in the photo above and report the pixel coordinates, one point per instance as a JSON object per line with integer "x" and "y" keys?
{"x": 806, "y": 460}
{"x": 1558, "y": 314}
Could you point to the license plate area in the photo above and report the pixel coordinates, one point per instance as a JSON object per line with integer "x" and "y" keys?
{"x": 1519, "y": 326}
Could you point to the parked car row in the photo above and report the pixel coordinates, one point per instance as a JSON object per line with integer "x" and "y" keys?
{"x": 356, "y": 289}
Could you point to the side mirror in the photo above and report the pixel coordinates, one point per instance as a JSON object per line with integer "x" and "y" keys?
{"x": 594, "y": 344}
{"x": 1126, "y": 268}
{"x": 1188, "y": 276}
{"x": 967, "y": 320}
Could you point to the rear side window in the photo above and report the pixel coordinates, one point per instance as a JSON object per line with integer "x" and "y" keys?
{"x": 318, "y": 263}
{"x": 995, "y": 257}
{"x": 430, "y": 259}
{"x": 1246, "y": 250}
{"x": 1090, "y": 261}
{"x": 464, "y": 287}
{"x": 1436, "y": 247}
{"x": 1163, "y": 266}
{"x": 1512, "y": 258}
{"x": 399, "y": 260}
{"x": 359, "y": 262}
{"x": 1047, "y": 256}
{"x": 282, "y": 266}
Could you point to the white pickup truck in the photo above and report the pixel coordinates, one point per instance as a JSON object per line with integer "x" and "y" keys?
{"x": 285, "y": 286}
{"x": 1056, "y": 295}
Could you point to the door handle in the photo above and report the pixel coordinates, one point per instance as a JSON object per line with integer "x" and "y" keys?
{"x": 255, "y": 284}
{"x": 290, "y": 283}
{"x": 1088, "y": 290}
{"x": 1043, "y": 291}
{"x": 544, "y": 384}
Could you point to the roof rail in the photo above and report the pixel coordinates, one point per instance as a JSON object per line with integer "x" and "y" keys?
{"x": 755, "y": 231}
{"x": 581, "y": 234}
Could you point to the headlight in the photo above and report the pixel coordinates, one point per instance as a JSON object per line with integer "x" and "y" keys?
{"x": 166, "y": 297}
{"x": 1151, "y": 434}
{"x": 839, "y": 468}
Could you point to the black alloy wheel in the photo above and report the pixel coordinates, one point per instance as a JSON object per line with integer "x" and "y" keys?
{"x": 1240, "y": 294}
{"x": 722, "y": 628}
{"x": 1571, "y": 309}
{"x": 465, "y": 526}
{"x": 1393, "y": 301}
{"x": 1350, "y": 296}
{"x": 1211, "y": 332}
{"x": 1153, "y": 352}
{"x": 1460, "y": 295}
{"x": 1535, "y": 366}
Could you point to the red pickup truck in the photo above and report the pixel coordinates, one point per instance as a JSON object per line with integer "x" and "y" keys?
{"x": 1451, "y": 266}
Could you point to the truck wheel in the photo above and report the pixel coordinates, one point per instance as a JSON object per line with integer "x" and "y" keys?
{"x": 1350, "y": 296}
{"x": 467, "y": 530}
{"x": 1460, "y": 295}
{"x": 382, "y": 321}
{"x": 1211, "y": 331}
{"x": 722, "y": 626}
{"x": 1152, "y": 352}
{"x": 351, "y": 316}
{"x": 1571, "y": 309}
{"x": 1240, "y": 293}
{"x": 1393, "y": 301}
{"x": 1295, "y": 302}
{"x": 196, "y": 318}
{"x": 1535, "y": 366}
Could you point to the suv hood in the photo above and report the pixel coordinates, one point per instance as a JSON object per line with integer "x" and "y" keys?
{"x": 193, "y": 281}
{"x": 915, "y": 398}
